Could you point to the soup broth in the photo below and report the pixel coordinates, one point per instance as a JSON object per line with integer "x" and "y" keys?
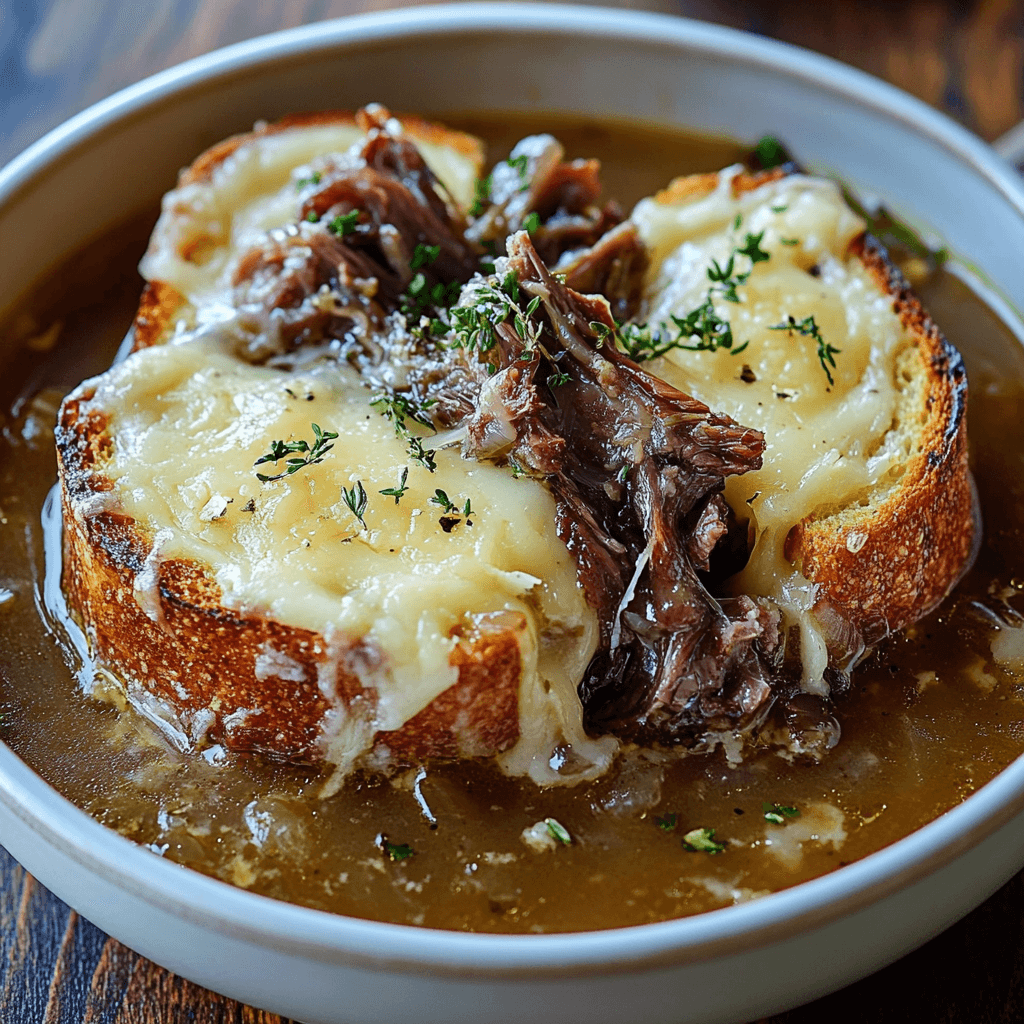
{"x": 933, "y": 714}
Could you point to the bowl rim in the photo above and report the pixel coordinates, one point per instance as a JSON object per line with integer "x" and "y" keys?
{"x": 330, "y": 937}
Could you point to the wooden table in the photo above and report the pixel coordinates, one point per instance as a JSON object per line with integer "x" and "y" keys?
{"x": 57, "y": 56}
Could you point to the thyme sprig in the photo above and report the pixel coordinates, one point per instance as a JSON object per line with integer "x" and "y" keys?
{"x": 398, "y": 408}
{"x": 473, "y": 325}
{"x": 449, "y": 507}
{"x": 398, "y": 492}
{"x": 727, "y": 279}
{"x": 808, "y": 328}
{"x": 306, "y": 454}
{"x": 702, "y": 329}
{"x": 356, "y": 499}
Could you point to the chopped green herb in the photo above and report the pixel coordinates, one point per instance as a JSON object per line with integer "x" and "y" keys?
{"x": 769, "y": 152}
{"x": 424, "y": 255}
{"x": 442, "y": 499}
{"x": 601, "y": 331}
{"x": 780, "y": 209}
{"x": 777, "y": 813}
{"x": 419, "y": 295}
{"x": 482, "y": 196}
{"x": 623, "y": 474}
{"x": 790, "y": 241}
{"x": 309, "y": 454}
{"x": 702, "y": 840}
{"x": 751, "y": 248}
{"x": 809, "y": 329}
{"x": 344, "y": 223}
{"x": 419, "y": 454}
{"x": 556, "y": 380}
{"x": 312, "y": 216}
{"x": 397, "y": 851}
{"x": 398, "y": 492}
{"x": 313, "y": 179}
{"x": 518, "y": 163}
{"x": 531, "y": 222}
{"x": 737, "y": 222}
{"x": 559, "y": 831}
{"x": 398, "y": 408}
{"x": 450, "y": 507}
{"x": 356, "y": 499}
{"x": 668, "y": 822}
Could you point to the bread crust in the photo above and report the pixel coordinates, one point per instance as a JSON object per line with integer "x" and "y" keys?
{"x": 885, "y": 565}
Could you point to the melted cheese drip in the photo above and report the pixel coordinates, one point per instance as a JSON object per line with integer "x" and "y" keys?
{"x": 189, "y": 423}
{"x": 827, "y": 446}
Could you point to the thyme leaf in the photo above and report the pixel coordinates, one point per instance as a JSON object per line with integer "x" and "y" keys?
{"x": 482, "y": 196}
{"x": 424, "y": 255}
{"x": 398, "y": 492}
{"x": 344, "y": 223}
{"x": 396, "y": 851}
{"x": 559, "y": 831}
{"x": 306, "y": 454}
{"x": 356, "y": 499}
{"x": 808, "y": 328}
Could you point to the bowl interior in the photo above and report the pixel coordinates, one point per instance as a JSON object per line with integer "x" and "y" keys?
{"x": 116, "y": 160}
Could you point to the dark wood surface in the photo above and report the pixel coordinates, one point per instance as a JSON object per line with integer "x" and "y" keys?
{"x": 58, "y": 56}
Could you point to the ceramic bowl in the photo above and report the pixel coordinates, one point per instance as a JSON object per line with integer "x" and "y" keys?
{"x": 730, "y": 965}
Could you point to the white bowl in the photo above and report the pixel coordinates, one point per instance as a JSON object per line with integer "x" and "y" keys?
{"x": 729, "y": 965}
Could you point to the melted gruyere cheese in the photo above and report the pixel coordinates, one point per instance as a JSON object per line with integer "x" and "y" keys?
{"x": 827, "y": 446}
{"x": 188, "y": 422}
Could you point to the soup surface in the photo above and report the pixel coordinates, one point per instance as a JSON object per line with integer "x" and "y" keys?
{"x": 933, "y": 714}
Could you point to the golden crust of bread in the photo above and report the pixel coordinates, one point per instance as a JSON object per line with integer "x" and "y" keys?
{"x": 884, "y": 565}
{"x": 890, "y": 562}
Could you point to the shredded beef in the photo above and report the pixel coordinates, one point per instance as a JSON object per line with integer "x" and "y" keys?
{"x": 562, "y": 194}
{"x": 636, "y": 466}
{"x": 321, "y": 281}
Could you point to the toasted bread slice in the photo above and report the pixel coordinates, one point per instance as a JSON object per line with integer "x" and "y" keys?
{"x": 883, "y": 544}
{"x": 471, "y": 673}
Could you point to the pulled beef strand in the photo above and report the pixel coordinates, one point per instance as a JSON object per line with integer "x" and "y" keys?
{"x": 636, "y": 468}
{"x": 309, "y": 285}
{"x": 535, "y": 179}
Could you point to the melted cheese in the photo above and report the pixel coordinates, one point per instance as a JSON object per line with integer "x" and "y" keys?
{"x": 826, "y": 446}
{"x": 188, "y": 423}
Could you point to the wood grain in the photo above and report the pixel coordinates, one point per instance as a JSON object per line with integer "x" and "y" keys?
{"x": 58, "y": 56}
